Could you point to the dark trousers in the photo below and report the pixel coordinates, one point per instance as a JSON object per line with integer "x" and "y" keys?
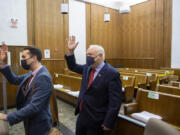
{"x": 83, "y": 129}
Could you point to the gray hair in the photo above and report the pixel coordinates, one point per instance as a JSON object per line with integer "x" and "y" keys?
{"x": 99, "y": 49}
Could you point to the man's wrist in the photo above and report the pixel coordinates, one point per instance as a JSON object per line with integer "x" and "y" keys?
{"x": 70, "y": 52}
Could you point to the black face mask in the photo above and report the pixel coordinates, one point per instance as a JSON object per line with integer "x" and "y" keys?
{"x": 89, "y": 60}
{"x": 25, "y": 65}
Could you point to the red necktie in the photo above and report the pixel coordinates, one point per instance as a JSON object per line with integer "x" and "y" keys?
{"x": 27, "y": 84}
{"x": 89, "y": 83}
{"x": 91, "y": 77}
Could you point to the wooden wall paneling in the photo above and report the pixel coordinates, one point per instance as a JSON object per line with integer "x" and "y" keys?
{"x": 66, "y": 32}
{"x": 104, "y": 33}
{"x": 50, "y": 31}
{"x": 49, "y": 27}
{"x": 137, "y": 34}
{"x": 113, "y": 45}
{"x": 114, "y": 33}
{"x": 88, "y": 24}
{"x": 30, "y": 22}
{"x": 11, "y": 95}
{"x": 54, "y": 66}
{"x": 18, "y": 70}
{"x": 132, "y": 62}
{"x": 141, "y": 38}
{"x": 167, "y": 32}
{"x": 159, "y": 31}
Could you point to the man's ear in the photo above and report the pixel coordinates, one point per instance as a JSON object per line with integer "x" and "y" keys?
{"x": 101, "y": 55}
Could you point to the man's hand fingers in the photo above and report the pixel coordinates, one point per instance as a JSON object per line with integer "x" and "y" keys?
{"x": 4, "y": 47}
{"x": 3, "y": 116}
{"x": 73, "y": 38}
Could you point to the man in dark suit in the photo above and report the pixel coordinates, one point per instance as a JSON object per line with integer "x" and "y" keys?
{"x": 33, "y": 94}
{"x": 99, "y": 100}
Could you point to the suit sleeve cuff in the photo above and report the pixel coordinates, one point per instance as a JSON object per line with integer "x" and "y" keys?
{"x": 69, "y": 54}
{"x": 9, "y": 119}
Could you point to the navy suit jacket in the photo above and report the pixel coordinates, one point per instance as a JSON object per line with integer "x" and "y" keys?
{"x": 102, "y": 100}
{"x": 33, "y": 110}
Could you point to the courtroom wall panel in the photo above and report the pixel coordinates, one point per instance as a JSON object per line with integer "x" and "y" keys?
{"x": 54, "y": 66}
{"x": 18, "y": 70}
{"x": 141, "y": 38}
{"x": 48, "y": 29}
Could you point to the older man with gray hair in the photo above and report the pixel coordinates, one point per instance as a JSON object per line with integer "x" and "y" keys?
{"x": 100, "y": 95}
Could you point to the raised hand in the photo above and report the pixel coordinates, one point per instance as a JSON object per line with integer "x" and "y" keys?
{"x": 3, "y": 116}
{"x": 105, "y": 128}
{"x": 72, "y": 44}
{"x": 3, "y": 53}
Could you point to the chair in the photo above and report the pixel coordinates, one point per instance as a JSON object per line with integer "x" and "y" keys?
{"x": 158, "y": 127}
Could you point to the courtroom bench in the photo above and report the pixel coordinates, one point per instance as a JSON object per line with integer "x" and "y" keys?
{"x": 71, "y": 73}
{"x": 162, "y": 104}
{"x": 69, "y": 87}
{"x": 165, "y": 105}
{"x": 168, "y": 89}
{"x": 174, "y": 83}
{"x": 128, "y": 83}
{"x": 140, "y": 79}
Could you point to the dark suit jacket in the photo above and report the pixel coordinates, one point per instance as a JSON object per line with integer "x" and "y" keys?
{"x": 32, "y": 110}
{"x": 102, "y": 100}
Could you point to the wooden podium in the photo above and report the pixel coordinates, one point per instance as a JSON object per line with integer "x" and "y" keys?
{"x": 3, "y": 127}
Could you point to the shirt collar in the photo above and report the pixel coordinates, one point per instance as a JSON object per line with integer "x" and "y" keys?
{"x": 100, "y": 66}
{"x": 35, "y": 71}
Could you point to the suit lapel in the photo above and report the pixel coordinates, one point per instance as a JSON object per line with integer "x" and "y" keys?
{"x": 25, "y": 79}
{"x": 34, "y": 80}
{"x": 86, "y": 83}
{"x": 22, "y": 83}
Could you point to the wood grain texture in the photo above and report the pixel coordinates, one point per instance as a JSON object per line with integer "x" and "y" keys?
{"x": 139, "y": 39}
{"x": 18, "y": 70}
{"x": 169, "y": 89}
{"x": 167, "y": 32}
{"x": 159, "y": 106}
{"x": 54, "y": 66}
{"x": 50, "y": 31}
{"x": 125, "y": 127}
{"x": 176, "y": 71}
{"x": 72, "y": 83}
{"x": 30, "y": 22}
